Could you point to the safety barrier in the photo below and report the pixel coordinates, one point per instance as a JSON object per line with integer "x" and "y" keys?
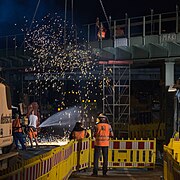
{"x": 60, "y": 162}
{"x": 172, "y": 160}
{"x": 129, "y": 154}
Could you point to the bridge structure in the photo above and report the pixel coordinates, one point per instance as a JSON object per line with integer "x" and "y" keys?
{"x": 139, "y": 48}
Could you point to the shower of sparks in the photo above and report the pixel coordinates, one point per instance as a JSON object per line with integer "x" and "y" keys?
{"x": 58, "y": 56}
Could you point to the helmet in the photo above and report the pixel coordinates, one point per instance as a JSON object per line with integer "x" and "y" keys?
{"x": 103, "y": 118}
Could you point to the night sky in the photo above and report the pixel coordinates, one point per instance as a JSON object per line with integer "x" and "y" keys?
{"x": 15, "y": 13}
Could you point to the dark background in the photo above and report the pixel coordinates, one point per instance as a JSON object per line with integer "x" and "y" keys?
{"x": 15, "y": 14}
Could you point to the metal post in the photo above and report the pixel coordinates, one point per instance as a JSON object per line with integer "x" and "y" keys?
{"x": 114, "y": 33}
{"x": 110, "y": 28}
{"x": 129, "y": 29}
{"x": 160, "y": 24}
{"x": 114, "y": 97}
{"x": 152, "y": 12}
{"x": 159, "y": 28}
{"x": 104, "y": 98}
{"x": 129, "y": 99}
{"x": 126, "y": 24}
{"x": 177, "y": 19}
{"x": 144, "y": 29}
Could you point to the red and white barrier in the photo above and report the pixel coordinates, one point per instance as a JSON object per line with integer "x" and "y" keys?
{"x": 131, "y": 145}
{"x": 32, "y": 172}
{"x": 46, "y": 166}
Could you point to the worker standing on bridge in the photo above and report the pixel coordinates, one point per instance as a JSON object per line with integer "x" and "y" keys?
{"x": 103, "y": 132}
{"x": 17, "y": 132}
{"x": 32, "y": 128}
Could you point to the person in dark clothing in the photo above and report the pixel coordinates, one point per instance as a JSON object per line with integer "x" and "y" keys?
{"x": 18, "y": 132}
{"x": 78, "y": 132}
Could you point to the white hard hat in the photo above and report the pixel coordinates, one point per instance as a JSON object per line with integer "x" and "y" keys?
{"x": 102, "y": 116}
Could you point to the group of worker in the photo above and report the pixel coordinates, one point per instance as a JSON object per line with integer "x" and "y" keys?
{"x": 102, "y": 134}
{"x": 18, "y": 132}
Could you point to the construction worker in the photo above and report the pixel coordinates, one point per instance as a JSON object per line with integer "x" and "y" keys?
{"x": 18, "y": 132}
{"x": 78, "y": 132}
{"x": 32, "y": 128}
{"x": 101, "y": 30}
{"x": 102, "y": 134}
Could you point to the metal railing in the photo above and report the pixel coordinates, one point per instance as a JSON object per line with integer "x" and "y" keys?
{"x": 153, "y": 24}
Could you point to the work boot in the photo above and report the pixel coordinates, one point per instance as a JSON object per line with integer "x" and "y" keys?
{"x": 104, "y": 173}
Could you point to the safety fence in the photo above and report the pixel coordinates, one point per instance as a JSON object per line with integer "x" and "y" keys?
{"x": 130, "y": 154}
{"x": 172, "y": 160}
{"x": 60, "y": 162}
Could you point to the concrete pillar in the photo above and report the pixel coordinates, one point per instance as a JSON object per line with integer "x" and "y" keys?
{"x": 169, "y": 73}
{"x": 168, "y": 100}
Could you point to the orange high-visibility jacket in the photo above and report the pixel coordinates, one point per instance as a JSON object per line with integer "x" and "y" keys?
{"x": 102, "y": 134}
{"x": 79, "y": 134}
{"x": 101, "y": 34}
{"x": 16, "y": 125}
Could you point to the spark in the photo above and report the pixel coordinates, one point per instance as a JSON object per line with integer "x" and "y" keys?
{"x": 57, "y": 58}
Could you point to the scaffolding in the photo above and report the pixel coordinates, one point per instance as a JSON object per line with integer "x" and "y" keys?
{"x": 116, "y": 96}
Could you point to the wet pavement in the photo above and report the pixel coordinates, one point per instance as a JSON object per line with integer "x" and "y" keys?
{"x": 122, "y": 174}
{"x": 32, "y": 152}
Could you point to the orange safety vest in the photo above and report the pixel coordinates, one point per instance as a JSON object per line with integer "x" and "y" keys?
{"x": 101, "y": 34}
{"x": 32, "y": 133}
{"x": 16, "y": 125}
{"x": 102, "y": 134}
{"x": 79, "y": 135}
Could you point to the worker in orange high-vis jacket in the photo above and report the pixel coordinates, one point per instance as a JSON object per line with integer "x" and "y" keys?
{"x": 103, "y": 132}
{"x": 18, "y": 132}
{"x": 78, "y": 132}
